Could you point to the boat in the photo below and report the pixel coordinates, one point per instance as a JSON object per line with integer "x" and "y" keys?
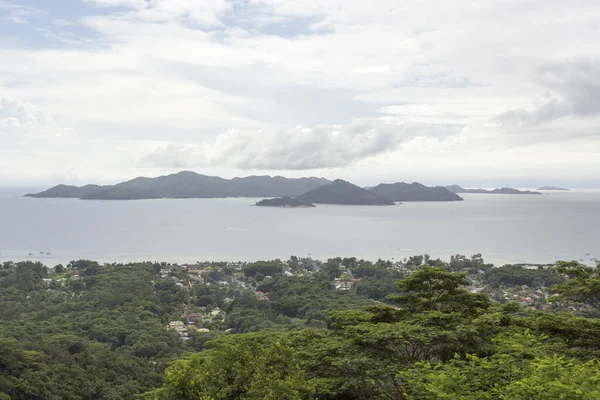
{"x": 30, "y": 253}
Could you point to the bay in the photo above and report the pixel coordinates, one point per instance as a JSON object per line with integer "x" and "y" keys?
{"x": 504, "y": 228}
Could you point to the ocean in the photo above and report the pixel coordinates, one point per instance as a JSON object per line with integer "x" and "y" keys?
{"x": 504, "y": 228}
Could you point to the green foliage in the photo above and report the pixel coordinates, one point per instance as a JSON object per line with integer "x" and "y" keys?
{"x": 291, "y": 298}
{"x": 91, "y": 331}
{"x": 105, "y": 339}
{"x": 250, "y": 366}
{"x": 515, "y": 275}
{"x": 504, "y": 377}
{"x": 266, "y": 268}
{"x": 582, "y": 284}
{"x": 434, "y": 289}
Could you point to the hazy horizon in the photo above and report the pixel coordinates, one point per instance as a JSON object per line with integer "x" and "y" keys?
{"x": 469, "y": 184}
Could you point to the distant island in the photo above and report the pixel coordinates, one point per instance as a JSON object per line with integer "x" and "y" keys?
{"x": 346, "y": 193}
{"x": 286, "y": 202}
{"x": 187, "y": 184}
{"x": 553, "y": 188}
{"x": 458, "y": 189}
{"x": 415, "y": 191}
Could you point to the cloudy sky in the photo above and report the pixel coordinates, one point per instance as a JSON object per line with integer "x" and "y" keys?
{"x": 498, "y": 91}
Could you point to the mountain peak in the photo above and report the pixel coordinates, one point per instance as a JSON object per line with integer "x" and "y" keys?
{"x": 343, "y": 192}
{"x": 188, "y": 184}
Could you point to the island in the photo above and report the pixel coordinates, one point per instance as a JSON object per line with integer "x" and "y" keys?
{"x": 344, "y": 193}
{"x": 285, "y": 202}
{"x": 415, "y": 191}
{"x": 553, "y": 188}
{"x": 188, "y": 184}
{"x": 459, "y": 189}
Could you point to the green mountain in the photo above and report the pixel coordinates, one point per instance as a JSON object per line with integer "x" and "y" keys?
{"x": 187, "y": 184}
{"x": 342, "y": 192}
{"x": 67, "y": 191}
{"x": 458, "y": 189}
{"x": 415, "y": 191}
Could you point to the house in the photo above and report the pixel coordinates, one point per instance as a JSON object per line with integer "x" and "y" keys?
{"x": 164, "y": 272}
{"x": 237, "y": 276}
{"x": 340, "y": 284}
{"x": 192, "y": 318}
{"x": 178, "y": 326}
{"x": 261, "y": 296}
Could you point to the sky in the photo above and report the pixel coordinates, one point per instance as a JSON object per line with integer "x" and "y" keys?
{"x": 473, "y": 92}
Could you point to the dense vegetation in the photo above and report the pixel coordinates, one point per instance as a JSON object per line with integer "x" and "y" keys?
{"x": 188, "y": 184}
{"x": 343, "y": 192}
{"x": 415, "y": 191}
{"x": 301, "y": 329}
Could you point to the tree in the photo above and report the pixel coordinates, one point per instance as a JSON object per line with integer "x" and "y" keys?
{"x": 267, "y": 268}
{"x": 249, "y": 366}
{"x": 582, "y": 285}
{"x": 434, "y": 289}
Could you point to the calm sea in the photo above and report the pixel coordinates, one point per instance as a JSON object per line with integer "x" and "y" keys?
{"x": 504, "y": 228}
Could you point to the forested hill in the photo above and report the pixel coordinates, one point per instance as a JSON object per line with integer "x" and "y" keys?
{"x": 415, "y": 191}
{"x": 300, "y": 329}
{"x": 187, "y": 184}
{"x": 343, "y": 192}
{"x": 459, "y": 189}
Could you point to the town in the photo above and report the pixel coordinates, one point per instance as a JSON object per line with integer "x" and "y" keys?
{"x": 209, "y": 289}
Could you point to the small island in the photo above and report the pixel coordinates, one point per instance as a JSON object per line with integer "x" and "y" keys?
{"x": 553, "y": 188}
{"x": 504, "y": 190}
{"x": 285, "y": 202}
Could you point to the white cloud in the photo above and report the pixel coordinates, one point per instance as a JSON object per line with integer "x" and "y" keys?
{"x": 173, "y": 156}
{"x": 298, "y": 148}
{"x": 19, "y": 116}
{"x": 574, "y": 91}
{"x": 319, "y": 84}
